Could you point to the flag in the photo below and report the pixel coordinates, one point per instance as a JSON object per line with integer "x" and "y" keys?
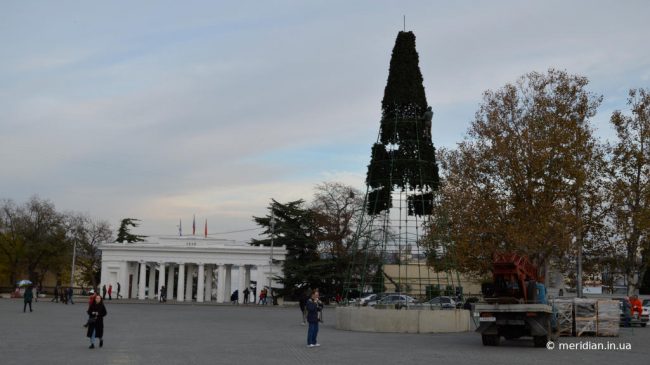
{"x": 206, "y": 229}
{"x": 194, "y": 225}
{"x": 180, "y": 227}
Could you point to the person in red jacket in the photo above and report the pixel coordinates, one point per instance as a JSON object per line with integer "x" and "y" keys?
{"x": 110, "y": 291}
{"x": 637, "y": 305}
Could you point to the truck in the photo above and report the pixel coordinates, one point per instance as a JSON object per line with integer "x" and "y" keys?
{"x": 515, "y": 303}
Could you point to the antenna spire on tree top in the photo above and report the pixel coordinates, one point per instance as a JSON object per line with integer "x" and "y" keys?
{"x": 404, "y": 23}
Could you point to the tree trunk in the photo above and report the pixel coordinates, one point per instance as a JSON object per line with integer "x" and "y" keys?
{"x": 632, "y": 283}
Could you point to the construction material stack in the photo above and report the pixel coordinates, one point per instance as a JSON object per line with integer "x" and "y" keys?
{"x": 608, "y": 318}
{"x": 564, "y": 310}
{"x": 585, "y": 316}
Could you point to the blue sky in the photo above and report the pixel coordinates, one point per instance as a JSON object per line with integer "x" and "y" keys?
{"x": 161, "y": 110}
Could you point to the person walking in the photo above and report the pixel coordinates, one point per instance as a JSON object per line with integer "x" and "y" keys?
{"x": 91, "y": 300}
{"x": 303, "y": 306}
{"x": 627, "y": 317}
{"x": 163, "y": 294}
{"x": 118, "y": 290}
{"x": 104, "y": 291}
{"x": 110, "y": 291}
{"x": 55, "y": 298}
{"x": 247, "y": 294}
{"x": 314, "y": 306}
{"x": 69, "y": 293}
{"x": 96, "y": 312}
{"x": 262, "y": 300}
{"x": 29, "y": 295}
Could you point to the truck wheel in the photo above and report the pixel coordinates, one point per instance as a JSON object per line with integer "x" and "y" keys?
{"x": 540, "y": 341}
{"x": 491, "y": 340}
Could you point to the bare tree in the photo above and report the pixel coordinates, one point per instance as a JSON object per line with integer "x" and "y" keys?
{"x": 88, "y": 234}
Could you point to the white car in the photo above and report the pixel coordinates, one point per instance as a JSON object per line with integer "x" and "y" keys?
{"x": 646, "y": 307}
{"x": 368, "y": 298}
{"x": 397, "y": 299}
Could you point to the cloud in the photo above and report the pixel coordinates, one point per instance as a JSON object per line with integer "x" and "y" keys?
{"x": 167, "y": 111}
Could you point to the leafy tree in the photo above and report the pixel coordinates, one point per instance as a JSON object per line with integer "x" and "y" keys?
{"x": 12, "y": 243}
{"x": 630, "y": 185}
{"x": 124, "y": 232}
{"x": 33, "y": 239}
{"x": 522, "y": 180}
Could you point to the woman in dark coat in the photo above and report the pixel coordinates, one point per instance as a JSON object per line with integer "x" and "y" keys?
{"x": 29, "y": 295}
{"x": 96, "y": 312}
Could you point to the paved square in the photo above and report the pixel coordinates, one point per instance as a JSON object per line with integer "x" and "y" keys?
{"x": 223, "y": 334}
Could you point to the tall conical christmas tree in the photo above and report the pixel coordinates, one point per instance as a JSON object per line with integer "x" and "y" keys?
{"x": 403, "y": 157}
{"x": 402, "y": 176}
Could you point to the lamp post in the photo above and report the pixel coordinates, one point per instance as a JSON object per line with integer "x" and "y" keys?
{"x": 74, "y": 257}
{"x": 272, "y": 222}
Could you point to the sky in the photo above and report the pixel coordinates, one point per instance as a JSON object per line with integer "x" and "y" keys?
{"x": 162, "y": 110}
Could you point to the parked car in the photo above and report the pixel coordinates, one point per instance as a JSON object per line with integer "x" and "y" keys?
{"x": 369, "y": 298}
{"x": 441, "y": 303}
{"x": 646, "y": 307}
{"x": 399, "y": 300}
{"x": 374, "y": 300}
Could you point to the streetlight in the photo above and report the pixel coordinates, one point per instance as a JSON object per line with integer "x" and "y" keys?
{"x": 74, "y": 257}
{"x": 272, "y": 222}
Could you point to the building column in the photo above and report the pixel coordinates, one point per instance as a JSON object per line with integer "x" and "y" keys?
{"x": 242, "y": 283}
{"x": 122, "y": 280}
{"x": 200, "y": 283}
{"x": 141, "y": 280}
{"x": 161, "y": 278}
{"x": 170, "y": 281}
{"x": 189, "y": 281}
{"x": 228, "y": 281}
{"x": 248, "y": 283}
{"x": 135, "y": 271}
{"x": 181, "y": 282}
{"x": 221, "y": 284}
{"x": 152, "y": 281}
{"x": 208, "y": 283}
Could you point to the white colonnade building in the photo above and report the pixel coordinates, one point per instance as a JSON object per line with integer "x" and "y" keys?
{"x": 190, "y": 268}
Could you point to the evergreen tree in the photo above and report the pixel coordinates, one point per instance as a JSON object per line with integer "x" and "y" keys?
{"x": 296, "y": 229}
{"x": 124, "y": 234}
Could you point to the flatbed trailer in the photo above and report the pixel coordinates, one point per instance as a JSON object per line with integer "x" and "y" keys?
{"x": 513, "y": 321}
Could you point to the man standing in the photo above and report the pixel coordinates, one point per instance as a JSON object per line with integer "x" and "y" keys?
{"x": 314, "y": 306}
{"x": 104, "y": 292}
{"x": 55, "y": 298}
{"x": 110, "y": 291}
{"x": 637, "y": 305}
{"x": 246, "y": 295}
{"x": 118, "y": 290}
{"x": 163, "y": 294}
{"x": 69, "y": 293}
